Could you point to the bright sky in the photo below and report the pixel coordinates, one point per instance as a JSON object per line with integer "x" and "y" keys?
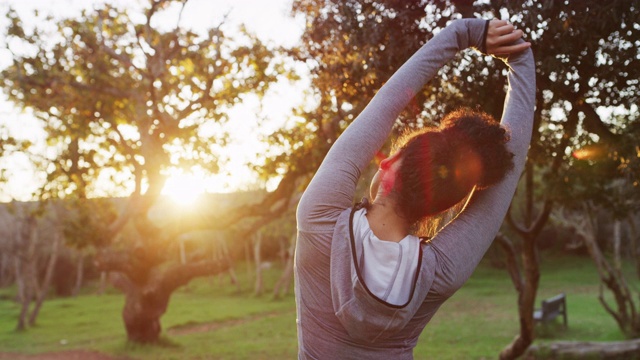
{"x": 270, "y": 20}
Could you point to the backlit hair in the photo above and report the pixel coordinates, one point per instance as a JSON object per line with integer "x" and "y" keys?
{"x": 441, "y": 166}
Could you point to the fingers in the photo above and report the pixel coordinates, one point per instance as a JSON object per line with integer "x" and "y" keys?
{"x": 498, "y": 22}
{"x": 511, "y": 37}
{"x": 511, "y": 49}
{"x": 504, "y": 29}
{"x": 500, "y": 41}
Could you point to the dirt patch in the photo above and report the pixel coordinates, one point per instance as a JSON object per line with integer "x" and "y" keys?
{"x": 206, "y": 327}
{"x": 62, "y": 355}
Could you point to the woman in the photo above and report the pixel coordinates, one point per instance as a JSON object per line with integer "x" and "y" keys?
{"x": 365, "y": 287}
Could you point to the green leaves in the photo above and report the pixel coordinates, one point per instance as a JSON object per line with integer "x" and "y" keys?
{"x": 104, "y": 76}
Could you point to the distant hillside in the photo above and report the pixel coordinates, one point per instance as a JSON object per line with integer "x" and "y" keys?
{"x": 208, "y": 206}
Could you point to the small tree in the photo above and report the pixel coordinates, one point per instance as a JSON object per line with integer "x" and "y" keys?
{"x": 33, "y": 238}
{"x": 605, "y": 184}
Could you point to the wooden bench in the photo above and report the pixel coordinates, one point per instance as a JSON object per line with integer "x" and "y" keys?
{"x": 551, "y": 309}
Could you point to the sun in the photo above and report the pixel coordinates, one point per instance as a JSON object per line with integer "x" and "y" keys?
{"x": 184, "y": 188}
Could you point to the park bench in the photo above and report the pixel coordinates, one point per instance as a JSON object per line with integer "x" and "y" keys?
{"x": 552, "y": 308}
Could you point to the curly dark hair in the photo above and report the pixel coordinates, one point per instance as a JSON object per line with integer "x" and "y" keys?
{"x": 441, "y": 166}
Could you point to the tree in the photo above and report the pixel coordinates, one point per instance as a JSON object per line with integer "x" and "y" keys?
{"x": 586, "y": 55}
{"x": 605, "y": 192}
{"x": 32, "y": 239}
{"x": 127, "y": 99}
{"x": 575, "y": 78}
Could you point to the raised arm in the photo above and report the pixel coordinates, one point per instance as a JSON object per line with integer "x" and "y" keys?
{"x": 333, "y": 186}
{"x": 461, "y": 245}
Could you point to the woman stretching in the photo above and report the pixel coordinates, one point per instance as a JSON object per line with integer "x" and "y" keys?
{"x": 365, "y": 285}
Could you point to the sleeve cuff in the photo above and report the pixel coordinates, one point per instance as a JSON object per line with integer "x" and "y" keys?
{"x": 483, "y": 44}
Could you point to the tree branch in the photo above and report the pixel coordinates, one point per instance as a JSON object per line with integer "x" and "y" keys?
{"x": 512, "y": 264}
{"x": 124, "y": 60}
{"x": 180, "y": 274}
{"x": 542, "y": 218}
{"x": 511, "y": 221}
{"x": 115, "y": 262}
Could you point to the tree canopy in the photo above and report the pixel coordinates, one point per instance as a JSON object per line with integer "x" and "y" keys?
{"x": 126, "y": 96}
{"x": 118, "y": 94}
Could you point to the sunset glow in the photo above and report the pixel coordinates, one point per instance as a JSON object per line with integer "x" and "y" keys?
{"x": 185, "y": 188}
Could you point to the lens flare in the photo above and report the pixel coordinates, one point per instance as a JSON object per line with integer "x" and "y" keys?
{"x": 590, "y": 152}
{"x": 468, "y": 170}
{"x": 379, "y": 157}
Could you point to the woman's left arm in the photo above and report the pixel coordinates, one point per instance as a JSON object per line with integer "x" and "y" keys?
{"x": 460, "y": 246}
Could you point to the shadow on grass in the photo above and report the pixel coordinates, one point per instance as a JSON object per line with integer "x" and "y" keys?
{"x": 551, "y": 330}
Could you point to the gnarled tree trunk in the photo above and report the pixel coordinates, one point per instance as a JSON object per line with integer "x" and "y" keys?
{"x": 142, "y": 311}
{"x": 147, "y": 297}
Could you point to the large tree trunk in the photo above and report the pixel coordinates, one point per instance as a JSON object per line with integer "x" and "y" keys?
{"x": 526, "y": 284}
{"x": 142, "y": 311}
{"x": 527, "y": 289}
{"x": 146, "y": 299}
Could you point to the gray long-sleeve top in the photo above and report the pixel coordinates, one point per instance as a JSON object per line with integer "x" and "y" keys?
{"x": 453, "y": 253}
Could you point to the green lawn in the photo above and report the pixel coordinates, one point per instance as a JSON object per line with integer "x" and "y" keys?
{"x": 209, "y": 320}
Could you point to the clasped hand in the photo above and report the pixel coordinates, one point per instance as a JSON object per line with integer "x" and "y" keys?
{"x": 502, "y": 37}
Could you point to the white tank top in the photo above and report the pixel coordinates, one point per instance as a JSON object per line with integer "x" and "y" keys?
{"x": 387, "y": 267}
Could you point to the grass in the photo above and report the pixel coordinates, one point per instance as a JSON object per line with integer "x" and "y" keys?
{"x": 476, "y": 323}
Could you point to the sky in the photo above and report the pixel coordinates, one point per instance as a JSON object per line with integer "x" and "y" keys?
{"x": 270, "y": 20}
